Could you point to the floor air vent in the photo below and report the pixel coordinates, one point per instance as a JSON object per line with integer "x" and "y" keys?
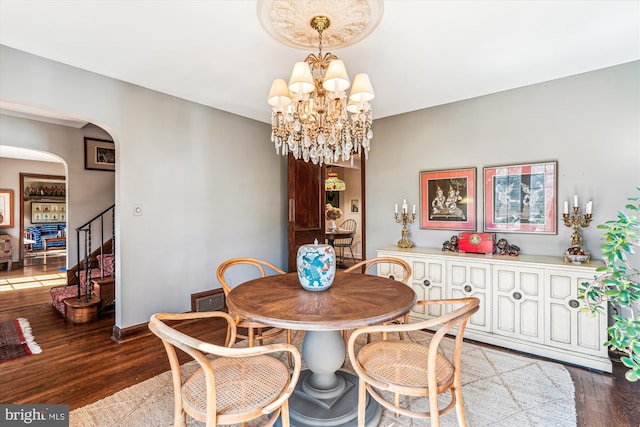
{"x": 212, "y": 300}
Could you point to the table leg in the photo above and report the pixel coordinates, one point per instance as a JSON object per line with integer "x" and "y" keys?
{"x": 44, "y": 249}
{"x": 326, "y": 396}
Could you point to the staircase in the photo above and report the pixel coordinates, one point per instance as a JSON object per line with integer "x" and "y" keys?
{"x": 91, "y": 283}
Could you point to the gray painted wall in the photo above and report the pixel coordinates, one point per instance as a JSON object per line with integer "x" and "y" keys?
{"x": 588, "y": 123}
{"x": 212, "y": 187}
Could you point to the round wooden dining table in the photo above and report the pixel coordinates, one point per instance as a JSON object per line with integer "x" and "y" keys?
{"x": 325, "y": 395}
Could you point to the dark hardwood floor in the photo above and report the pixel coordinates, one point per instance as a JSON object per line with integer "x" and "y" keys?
{"x": 80, "y": 365}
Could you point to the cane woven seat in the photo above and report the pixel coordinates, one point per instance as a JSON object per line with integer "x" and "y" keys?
{"x": 231, "y": 384}
{"x": 243, "y": 384}
{"x": 393, "y": 368}
{"x": 405, "y": 362}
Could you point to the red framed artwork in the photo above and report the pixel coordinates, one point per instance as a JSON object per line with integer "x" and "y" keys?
{"x": 448, "y": 199}
{"x": 521, "y": 198}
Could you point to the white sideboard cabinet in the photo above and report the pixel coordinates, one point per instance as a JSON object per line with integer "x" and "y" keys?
{"x": 527, "y": 303}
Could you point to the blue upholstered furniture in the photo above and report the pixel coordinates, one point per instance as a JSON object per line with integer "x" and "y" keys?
{"x": 47, "y": 230}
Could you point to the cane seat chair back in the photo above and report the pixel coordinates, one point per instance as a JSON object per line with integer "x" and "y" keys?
{"x": 230, "y": 385}
{"x": 251, "y": 268}
{"x": 366, "y": 267}
{"x": 413, "y": 368}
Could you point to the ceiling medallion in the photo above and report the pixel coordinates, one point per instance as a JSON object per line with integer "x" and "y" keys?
{"x": 288, "y": 21}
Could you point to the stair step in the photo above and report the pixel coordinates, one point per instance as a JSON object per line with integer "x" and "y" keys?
{"x": 81, "y": 311}
{"x": 106, "y": 289}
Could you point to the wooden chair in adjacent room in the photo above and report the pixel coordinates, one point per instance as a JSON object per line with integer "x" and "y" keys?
{"x": 425, "y": 371}
{"x": 346, "y": 243}
{"x": 366, "y": 266}
{"x": 234, "y": 386}
{"x": 255, "y": 331}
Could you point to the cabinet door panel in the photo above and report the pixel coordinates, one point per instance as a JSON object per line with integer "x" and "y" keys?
{"x": 427, "y": 280}
{"x": 519, "y": 311}
{"x": 569, "y": 328}
{"x": 469, "y": 279}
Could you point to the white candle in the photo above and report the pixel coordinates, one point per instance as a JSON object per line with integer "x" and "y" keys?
{"x": 566, "y": 207}
{"x": 414, "y": 209}
{"x": 396, "y": 208}
{"x": 404, "y": 206}
{"x": 589, "y": 206}
{"x": 575, "y": 201}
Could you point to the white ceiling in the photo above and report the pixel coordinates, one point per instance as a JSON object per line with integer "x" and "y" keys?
{"x": 423, "y": 53}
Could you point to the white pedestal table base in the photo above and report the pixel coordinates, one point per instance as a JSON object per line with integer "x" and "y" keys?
{"x": 324, "y": 395}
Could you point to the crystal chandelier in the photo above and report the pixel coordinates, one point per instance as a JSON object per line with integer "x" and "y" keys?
{"x": 312, "y": 116}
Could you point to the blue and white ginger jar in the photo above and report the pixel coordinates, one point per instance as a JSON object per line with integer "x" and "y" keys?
{"x": 316, "y": 266}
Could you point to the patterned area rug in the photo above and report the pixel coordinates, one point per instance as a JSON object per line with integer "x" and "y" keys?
{"x": 499, "y": 389}
{"x": 16, "y": 340}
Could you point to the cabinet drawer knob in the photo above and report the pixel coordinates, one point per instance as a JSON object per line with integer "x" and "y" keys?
{"x": 517, "y": 295}
{"x": 426, "y": 282}
{"x": 392, "y": 277}
{"x": 467, "y": 288}
{"x": 574, "y": 303}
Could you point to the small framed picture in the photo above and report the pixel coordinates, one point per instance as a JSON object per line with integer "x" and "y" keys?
{"x": 6, "y": 208}
{"x": 99, "y": 154}
{"x": 521, "y": 198}
{"x": 355, "y": 205}
{"x": 448, "y": 199}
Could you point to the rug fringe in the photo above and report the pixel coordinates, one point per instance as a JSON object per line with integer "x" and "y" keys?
{"x": 28, "y": 336}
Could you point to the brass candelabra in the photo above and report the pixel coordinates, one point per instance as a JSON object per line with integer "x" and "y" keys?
{"x": 405, "y": 218}
{"x": 576, "y": 221}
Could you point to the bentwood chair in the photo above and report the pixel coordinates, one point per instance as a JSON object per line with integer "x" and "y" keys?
{"x": 403, "y": 272}
{"x": 412, "y": 368}
{"x": 347, "y": 242}
{"x": 252, "y": 268}
{"x": 236, "y": 384}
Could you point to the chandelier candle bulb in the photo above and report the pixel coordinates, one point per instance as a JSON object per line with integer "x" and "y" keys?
{"x": 575, "y": 201}
{"x": 279, "y": 95}
{"x": 588, "y": 208}
{"x": 301, "y": 80}
{"x": 566, "y": 207}
{"x": 361, "y": 91}
{"x": 336, "y": 79}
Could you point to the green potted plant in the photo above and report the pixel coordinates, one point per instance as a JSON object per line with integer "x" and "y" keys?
{"x": 619, "y": 284}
